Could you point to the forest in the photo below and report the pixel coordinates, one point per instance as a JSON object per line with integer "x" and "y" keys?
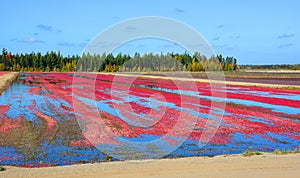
{"x": 54, "y": 61}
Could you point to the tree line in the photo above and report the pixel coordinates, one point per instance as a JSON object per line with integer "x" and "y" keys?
{"x": 36, "y": 62}
{"x": 271, "y": 67}
{"x": 54, "y": 61}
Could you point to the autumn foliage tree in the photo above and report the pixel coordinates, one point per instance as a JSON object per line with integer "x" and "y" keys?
{"x": 54, "y": 61}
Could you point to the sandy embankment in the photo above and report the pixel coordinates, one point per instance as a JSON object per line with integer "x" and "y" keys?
{"x": 266, "y": 165}
{"x": 6, "y": 79}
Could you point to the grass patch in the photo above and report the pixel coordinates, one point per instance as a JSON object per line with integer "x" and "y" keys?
{"x": 117, "y": 126}
{"x": 2, "y": 168}
{"x": 285, "y": 152}
{"x": 251, "y": 153}
{"x": 289, "y": 88}
{"x": 108, "y": 158}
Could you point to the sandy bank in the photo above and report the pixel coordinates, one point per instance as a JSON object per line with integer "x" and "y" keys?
{"x": 266, "y": 165}
{"x": 6, "y": 79}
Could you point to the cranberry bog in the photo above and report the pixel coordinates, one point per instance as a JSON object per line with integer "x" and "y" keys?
{"x": 3, "y": 73}
{"x": 39, "y": 125}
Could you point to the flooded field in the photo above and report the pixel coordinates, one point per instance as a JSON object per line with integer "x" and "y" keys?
{"x": 49, "y": 119}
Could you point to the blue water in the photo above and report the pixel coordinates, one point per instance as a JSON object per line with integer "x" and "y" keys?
{"x": 262, "y": 93}
{"x": 59, "y": 151}
{"x": 273, "y": 107}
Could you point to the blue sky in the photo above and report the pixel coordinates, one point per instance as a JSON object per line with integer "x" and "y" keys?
{"x": 253, "y": 31}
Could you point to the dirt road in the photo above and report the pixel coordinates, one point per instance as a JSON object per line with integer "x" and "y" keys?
{"x": 266, "y": 165}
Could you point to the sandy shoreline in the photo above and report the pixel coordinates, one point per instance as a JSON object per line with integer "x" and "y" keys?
{"x": 266, "y": 165}
{"x": 6, "y": 79}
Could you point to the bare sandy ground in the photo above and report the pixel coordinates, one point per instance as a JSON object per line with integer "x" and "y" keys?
{"x": 6, "y": 79}
{"x": 266, "y": 165}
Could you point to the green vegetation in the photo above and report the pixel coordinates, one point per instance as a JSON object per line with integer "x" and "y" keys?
{"x": 271, "y": 67}
{"x": 55, "y": 62}
{"x": 2, "y": 168}
{"x": 36, "y": 62}
{"x": 285, "y": 152}
{"x": 108, "y": 158}
{"x": 251, "y": 153}
{"x": 261, "y": 74}
{"x": 248, "y": 153}
{"x": 52, "y": 61}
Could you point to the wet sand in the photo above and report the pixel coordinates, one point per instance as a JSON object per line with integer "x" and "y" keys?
{"x": 266, "y": 165}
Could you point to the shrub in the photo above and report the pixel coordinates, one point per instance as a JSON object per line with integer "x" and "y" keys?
{"x": 251, "y": 153}
{"x": 285, "y": 152}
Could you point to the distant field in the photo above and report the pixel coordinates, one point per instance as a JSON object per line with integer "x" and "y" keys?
{"x": 264, "y": 74}
{"x": 266, "y": 77}
{"x": 273, "y": 71}
{"x": 263, "y": 77}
